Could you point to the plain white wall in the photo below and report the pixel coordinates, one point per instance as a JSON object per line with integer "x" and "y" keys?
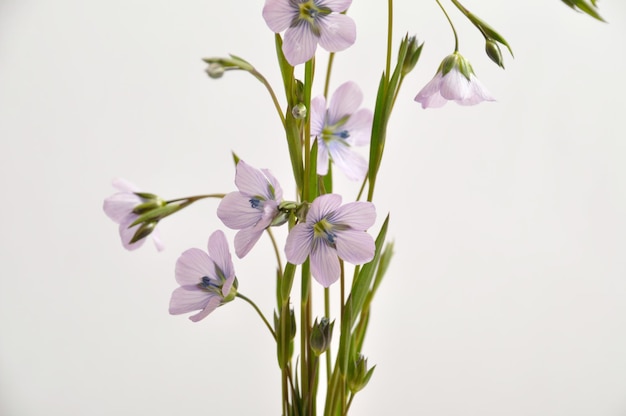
{"x": 506, "y": 294}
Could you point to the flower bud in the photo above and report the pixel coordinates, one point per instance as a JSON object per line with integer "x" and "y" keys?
{"x": 298, "y": 111}
{"x": 414, "y": 49}
{"x": 321, "y": 335}
{"x": 493, "y": 52}
{"x": 215, "y": 70}
{"x": 302, "y": 210}
{"x": 358, "y": 374}
{"x": 144, "y": 230}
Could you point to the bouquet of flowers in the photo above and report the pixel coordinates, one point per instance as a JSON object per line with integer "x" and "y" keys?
{"x": 331, "y": 240}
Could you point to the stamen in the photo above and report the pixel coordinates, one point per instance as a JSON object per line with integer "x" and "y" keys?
{"x": 207, "y": 283}
{"x": 255, "y": 203}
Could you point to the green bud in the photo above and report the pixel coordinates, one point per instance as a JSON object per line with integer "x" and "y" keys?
{"x": 413, "y": 52}
{"x": 143, "y": 231}
{"x": 299, "y": 91}
{"x": 215, "y": 70}
{"x": 493, "y": 52}
{"x": 280, "y": 218}
{"x": 298, "y": 111}
{"x": 358, "y": 374}
{"x": 321, "y": 336}
{"x": 302, "y": 211}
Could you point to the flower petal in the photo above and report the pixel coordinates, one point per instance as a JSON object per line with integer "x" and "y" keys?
{"x": 251, "y": 181}
{"x": 299, "y": 43}
{"x": 346, "y": 99}
{"x": 454, "y": 86}
{"x": 347, "y": 160}
{"x": 277, "y": 193}
{"x": 127, "y": 234}
{"x": 359, "y": 215}
{"x": 335, "y": 5}
{"x": 359, "y": 126}
{"x": 478, "y": 93}
{"x": 236, "y": 212}
{"x": 124, "y": 186}
{"x": 246, "y": 239}
{"x": 324, "y": 263}
{"x": 298, "y": 245}
{"x": 430, "y": 89}
{"x": 356, "y": 247}
{"x": 318, "y": 115}
{"x": 119, "y": 205}
{"x": 188, "y": 299}
{"x": 192, "y": 266}
{"x": 337, "y": 32}
{"x": 220, "y": 254}
{"x": 322, "y": 206}
{"x": 212, "y": 304}
{"x": 279, "y": 14}
{"x": 322, "y": 157}
{"x": 156, "y": 238}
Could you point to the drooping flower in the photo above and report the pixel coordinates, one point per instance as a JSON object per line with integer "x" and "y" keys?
{"x": 206, "y": 280}
{"x": 340, "y": 127}
{"x": 253, "y": 208}
{"x": 330, "y": 232}
{"x": 309, "y": 22}
{"x": 123, "y": 207}
{"x": 454, "y": 81}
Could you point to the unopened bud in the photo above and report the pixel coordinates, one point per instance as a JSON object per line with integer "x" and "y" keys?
{"x": 144, "y": 230}
{"x": 493, "y": 52}
{"x": 321, "y": 335}
{"x": 414, "y": 49}
{"x": 298, "y": 111}
{"x": 358, "y": 374}
{"x": 215, "y": 70}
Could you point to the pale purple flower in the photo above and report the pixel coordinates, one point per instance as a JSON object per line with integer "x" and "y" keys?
{"x": 330, "y": 232}
{"x": 309, "y": 22}
{"x": 206, "y": 280}
{"x": 120, "y": 206}
{"x": 340, "y": 128}
{"x": 253, "y": 208}
{"x": 454, "y": 81}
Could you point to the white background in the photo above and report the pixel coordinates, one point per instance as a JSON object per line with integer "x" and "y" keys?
{"x": 507, "y": 292}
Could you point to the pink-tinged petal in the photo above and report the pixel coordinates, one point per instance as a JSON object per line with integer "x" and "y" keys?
{"x": 359, "y": 215}
{"x": 322, "y": 157}
{"x": 227, "y": 286}
{"x": 220, "y": 254}
{"x": 434, "y": 101}
{"x": 156, "y": 238}
{"x": 454, "y": 86}
{"x": 322, "y": 206}
{"x": 347, "y": 160}
{"x": 124, "y": 186}
{"x": 251, "y": 181}
{"x": 246, "y": 239}
{"x": 324, "y": 263}
{"x": 429, "y": 89}
{"x": 356, "y": 247}
{"x": 278, "y": 191}
{"x": 337, "y": 32}
{"x": 235, "y": 211}
{"x": 127, "y": 234}
{"x": 478, "y": 93}
{"x": 188, "y": 299}
{"x": 298, "y": 245}
{"x": 359, "y": 125}
{"x": 335, "y": 5}
{"x": 318, "y": 115}
{"x": 299, "y": 44}
{"x": 212, "y": 304}
{"x": 118, "y": 206}
{"x": 192, "y": 265}
{"x": 345, "y": 101}
{"x": 279, "y": 14}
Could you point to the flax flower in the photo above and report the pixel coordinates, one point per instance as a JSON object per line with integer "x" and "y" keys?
{"x": 120, "y": 207}
{"x": 206, "y": 280}
{"x": 339, "y": 128}
{"x": 454, "y": 81}
{"x": 309, "y": 22}
{"x": 332, "y": 232}
{"x": 251, "y": 209}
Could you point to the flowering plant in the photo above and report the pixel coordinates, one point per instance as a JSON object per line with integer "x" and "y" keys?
{"x": 323, "y": 232}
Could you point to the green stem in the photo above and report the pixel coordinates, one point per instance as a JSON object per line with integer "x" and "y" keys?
{"x": 276, "y": 252}
{"x": 389, "y": 38}
{"x": 331, "y": 58}
{"x": 456, "y": 38}
{"x": 327, "y": 315}
{"x": 191, "y": 199}
{"x": 267, "y": 85}
{"x": 256, "y": 308}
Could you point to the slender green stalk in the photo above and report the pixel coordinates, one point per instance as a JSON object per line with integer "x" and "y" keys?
{"x": 456, "y": 38}
{"x": 327, "y": 314}
{"x": 267, "y": 85}
{"x": 256, "y": 308}
{"x": 389, "y": 38}
{"x": 331, "y": 59}
{"x": 276, "y": 252}
{"x": 192, "y": 199}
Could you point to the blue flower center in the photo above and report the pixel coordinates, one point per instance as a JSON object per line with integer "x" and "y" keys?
{"x": 207, "y": 283}
{"x": 324, "y": 229}
{"x": 255, "y": 203}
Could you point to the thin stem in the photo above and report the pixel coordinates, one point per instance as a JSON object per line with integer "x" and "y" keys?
{"x": 456, "y": 38}
{"x": 349, "y": 403}
{"x": 256, "y": 308}
{"x": 276, "y": 252}
{"x": 327, "y": 315}
{"x": 261, "y": 78}
{"x": 331, "y": 58}
{"x": 192, "y": 199}
{"x": 389, "y": 38}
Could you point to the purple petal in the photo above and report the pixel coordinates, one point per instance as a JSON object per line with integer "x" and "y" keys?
{"x": 359, "y": 125}
{"x": 322, "y": 206}
{"x": 345, "y": 100}
{"x": 322, "y": 157}
{"x": 454, "y": 86}
{"x": 279, "y": 14}
{"x": 188, "y": 299}
{"x": 434, "y": 101}
{"x": 356, "y": 247}
{"x": 359, "y": 215}
{"x": 156, "y": 238}
{"x": 299, "y": 44}
{"x": 318, "y": 115}
{"x": 298, "y": 245}
{"x": 347, "y": 160}
{"x": 337, "y": 32}
{"x": 251, "y": 181}
{"x": 119, "y": 205}
{"x": 212, "y": 304}
{"x": 324, "y": 263}
{"x": 478, "y": 93}
{"x": 124, "y": 186}
{"x": 235, "y": 211}
{"x": 335, "y": 5}
{"x": 220, "y": 254}
{"x": 278, "y": 191}
{"x": 192, "y": 265}
{"x": 430, "y": 89}
{"x": 246, "y": 239}
{"x": 127, "y": 234}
